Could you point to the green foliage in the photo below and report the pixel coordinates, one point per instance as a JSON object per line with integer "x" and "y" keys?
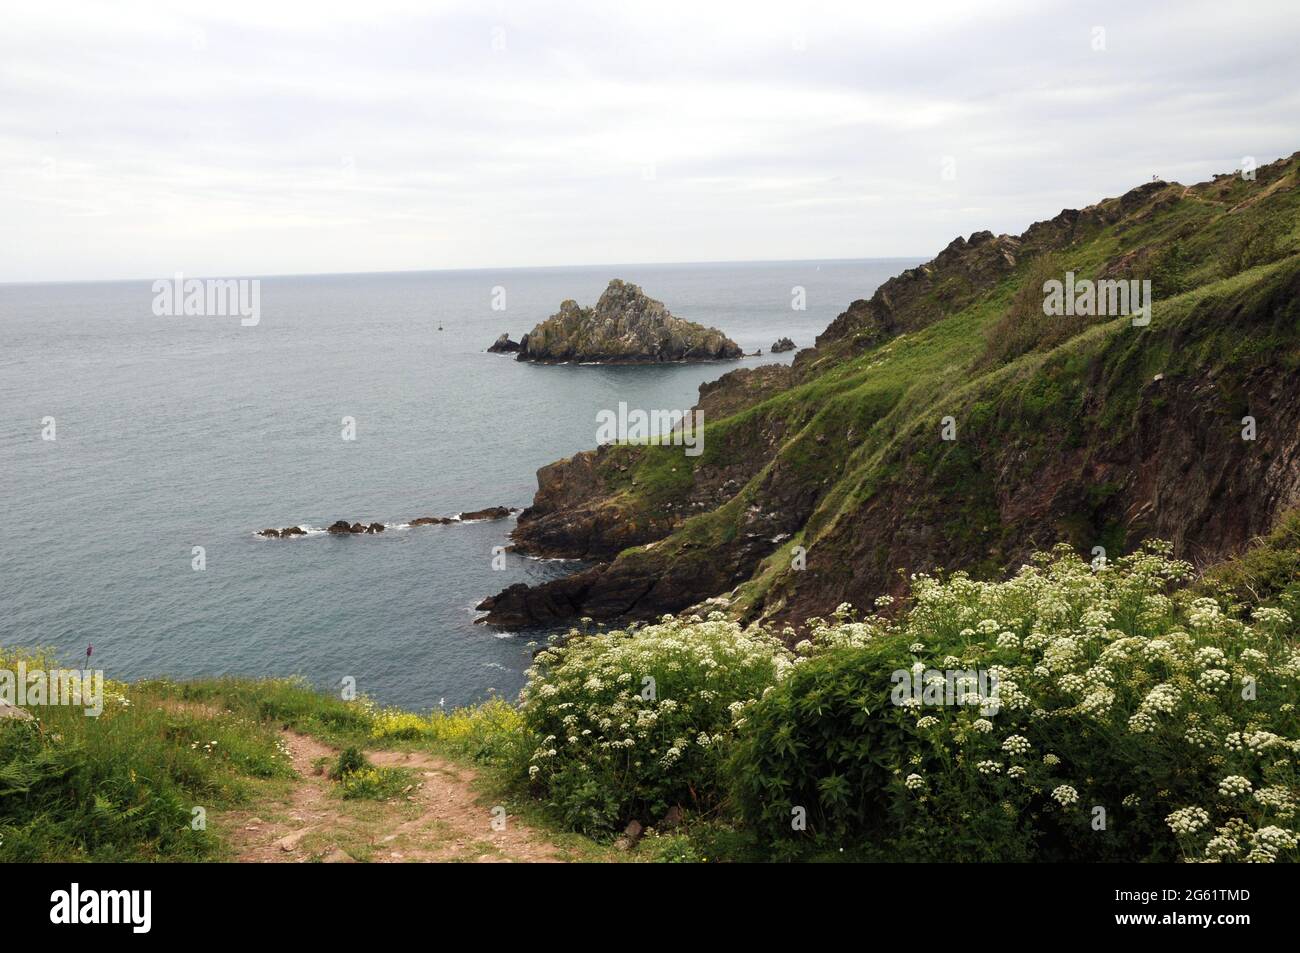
{"x": 491, "y": 732}
{"x": 123, "y": 786}
{"x": 1131, "y": 720}
{"x": 284, "y": 702}
{"x": 1256, "y": 243}
{"x": 811, "y": 761}
{"x": 630, "y": 723}
{"x": 358, "y": 779}
{"x": 1268, "y": 574}
{"x": 349, "y": 761}
{"x": 1171, "y": 273}
{"x": 374, "y": 784}
{"x": 1024, "y": 327}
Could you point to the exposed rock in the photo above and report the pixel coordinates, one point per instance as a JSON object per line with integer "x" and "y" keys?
{"x": 8, "y": 711}
{"x": 631, "y": 835}
{"x": 738, "y": 389}
{"x": 341, "y": 527}
{"x": 289, "y": 842}
{"x": 504, "y": 345}
{"x": 781, "y": 345}
{"x": 625, "y": 327}
{"x": 491, "y": 513}
{"x": 673, "y": 818}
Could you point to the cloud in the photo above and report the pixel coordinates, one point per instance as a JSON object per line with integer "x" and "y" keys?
{"x": 256, "y": 138}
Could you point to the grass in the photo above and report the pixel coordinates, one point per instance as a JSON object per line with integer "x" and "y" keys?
{"x": 124, "y": 786}
{"x": 135, "y": 783}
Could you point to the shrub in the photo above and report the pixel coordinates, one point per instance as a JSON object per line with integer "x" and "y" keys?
{"x": 1131, "y": 719}
{"x": 492, "y": 731}
{"x": 1024, "y": 327}
{"x": 812, "y": 756}
{"x": 374, "y": 784}
{"x": 350, "y": 761}
{"x": 629, "y": 723}
{"x": 1170, "y": 273}
{"x": 1257, "y": 244}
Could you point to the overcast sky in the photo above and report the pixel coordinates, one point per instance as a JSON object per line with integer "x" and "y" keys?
{"x": 231, "y": 137}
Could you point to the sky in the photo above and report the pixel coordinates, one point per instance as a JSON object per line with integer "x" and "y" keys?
{"x": 139, "y": 139}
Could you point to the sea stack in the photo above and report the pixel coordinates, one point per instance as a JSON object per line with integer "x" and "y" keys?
{"x": 503, "y": 345}
{"x": 625, "y": 327}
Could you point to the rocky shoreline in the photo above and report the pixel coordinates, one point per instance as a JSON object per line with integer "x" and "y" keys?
{"x": 345, "y": 528}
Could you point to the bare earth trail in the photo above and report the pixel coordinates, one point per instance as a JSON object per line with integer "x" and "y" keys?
{"x": 441, "y": 818}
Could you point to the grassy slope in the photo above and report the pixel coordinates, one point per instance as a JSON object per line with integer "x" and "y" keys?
{"x": 867, "y": 421}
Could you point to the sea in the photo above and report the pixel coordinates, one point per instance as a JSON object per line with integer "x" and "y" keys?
{"x": 141, "y": 453}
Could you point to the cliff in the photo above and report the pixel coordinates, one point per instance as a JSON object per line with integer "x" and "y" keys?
{"x": 820, "y": 483}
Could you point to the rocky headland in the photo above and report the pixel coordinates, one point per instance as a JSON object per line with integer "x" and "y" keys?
{"x": 829, "y": 480}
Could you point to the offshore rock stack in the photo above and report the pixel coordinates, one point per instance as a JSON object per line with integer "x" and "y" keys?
{"x": 625, "y": 327}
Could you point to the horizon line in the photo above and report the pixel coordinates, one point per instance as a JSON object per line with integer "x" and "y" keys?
{"x": 488, "y": 268}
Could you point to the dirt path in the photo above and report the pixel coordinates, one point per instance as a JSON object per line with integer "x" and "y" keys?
{"x": 441, "y": 819}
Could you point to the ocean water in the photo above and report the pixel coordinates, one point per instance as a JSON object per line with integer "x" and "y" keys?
{"x": 177, "y": 432}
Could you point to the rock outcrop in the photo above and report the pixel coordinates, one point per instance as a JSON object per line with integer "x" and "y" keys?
{"x": 781, "y": 345}
{"x": 625, "y": 327}
{"x": 491, "y": 513}
{"x": 286, "y": 533}
{"x": 504, "y": 345}
{"x": 344, "y": 528}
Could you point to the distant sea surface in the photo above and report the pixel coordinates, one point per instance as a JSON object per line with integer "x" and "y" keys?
{"x": 177, "y": 432}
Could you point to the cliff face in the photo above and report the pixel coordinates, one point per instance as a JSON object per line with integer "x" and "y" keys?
{"x": 625, "y": 327}
{"x": 819, "y": 483}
